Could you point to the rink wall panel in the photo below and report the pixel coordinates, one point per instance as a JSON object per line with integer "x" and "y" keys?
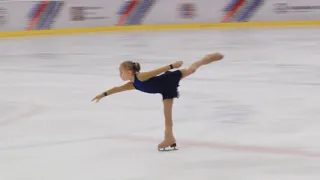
{"x": 24, "y": 18}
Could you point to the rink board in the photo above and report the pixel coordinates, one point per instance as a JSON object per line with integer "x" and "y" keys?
{"x": 25, "y": 18}
{"x": 115, "y": 29}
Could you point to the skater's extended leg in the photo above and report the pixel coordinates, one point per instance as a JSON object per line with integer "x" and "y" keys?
{"x": 168, "y": 137}
{"x": 204, "y": 61}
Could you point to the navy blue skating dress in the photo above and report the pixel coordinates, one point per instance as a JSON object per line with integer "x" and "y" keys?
{"x": 165, "y": 84}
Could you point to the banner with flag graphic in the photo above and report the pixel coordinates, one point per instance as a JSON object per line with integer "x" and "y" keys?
{"x": 72, "y": 14}
{"x": 132, "y": 12}
{"x": 240, "y": 10}
{"x": 43, "y": 14}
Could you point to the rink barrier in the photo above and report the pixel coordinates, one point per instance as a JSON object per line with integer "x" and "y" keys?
{"x": 139, "y": 28}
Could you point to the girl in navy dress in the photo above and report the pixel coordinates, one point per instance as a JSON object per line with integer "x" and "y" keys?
{"x": 165, "y": 84}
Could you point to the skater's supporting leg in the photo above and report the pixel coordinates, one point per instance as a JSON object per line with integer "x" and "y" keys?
{"x": 169, "y": 137}
{"x": 167, "y": 109}
{"x": 204, "y": 61}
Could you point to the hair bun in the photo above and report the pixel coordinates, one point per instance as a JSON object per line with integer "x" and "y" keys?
{"x": 136, "y": 66}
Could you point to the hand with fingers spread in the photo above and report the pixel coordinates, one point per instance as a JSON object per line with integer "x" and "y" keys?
{"x": 177, "y": 64}
{"x": 97, "y": 98}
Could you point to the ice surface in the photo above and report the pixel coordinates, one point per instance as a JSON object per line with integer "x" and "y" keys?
{"x": 254, "y": 115}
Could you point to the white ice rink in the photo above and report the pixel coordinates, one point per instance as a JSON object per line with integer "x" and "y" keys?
{"x": 253, "y": 116}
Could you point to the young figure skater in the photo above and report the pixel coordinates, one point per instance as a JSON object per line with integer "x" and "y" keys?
{"x": 166, "y": 84}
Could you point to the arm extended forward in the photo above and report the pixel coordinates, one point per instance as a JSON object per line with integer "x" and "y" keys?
{"x": 126, "y": 87}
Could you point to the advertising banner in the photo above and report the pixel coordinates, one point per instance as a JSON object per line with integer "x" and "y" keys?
{"x": 28, "y": 15}
{"x": 218, "y": 11}
{"x": 293, "y": 10}
{"x": 151, "y": 12}
{"x": 4, "y": 16}
{"x": 43, "y": 14}
{"x": 271, "y": 10}
{"x": 72, "y": 14}
{"x": 240, "y": 10}
{"x": 5, "y": 20}
{"x": 89, "y": 13}
{"x": 67, "y": 14}
{"x": 57, "y": 14}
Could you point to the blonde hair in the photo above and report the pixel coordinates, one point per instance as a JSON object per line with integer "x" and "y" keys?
{"x": 134, "y": 66}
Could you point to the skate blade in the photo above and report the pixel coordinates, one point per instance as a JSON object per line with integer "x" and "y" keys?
{"x": 173, "y": 147}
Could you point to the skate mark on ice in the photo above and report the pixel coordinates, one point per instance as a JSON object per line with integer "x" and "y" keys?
{"x": 30, "y": 113}
{"x": 185, "y": 145}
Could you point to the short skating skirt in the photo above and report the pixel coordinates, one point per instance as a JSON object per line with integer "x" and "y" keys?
{"x": 171, "y": 80}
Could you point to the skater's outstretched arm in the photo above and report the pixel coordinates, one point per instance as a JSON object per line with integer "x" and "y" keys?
{"x": 147, "y": 75}
{"x": 126, "y": 87}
